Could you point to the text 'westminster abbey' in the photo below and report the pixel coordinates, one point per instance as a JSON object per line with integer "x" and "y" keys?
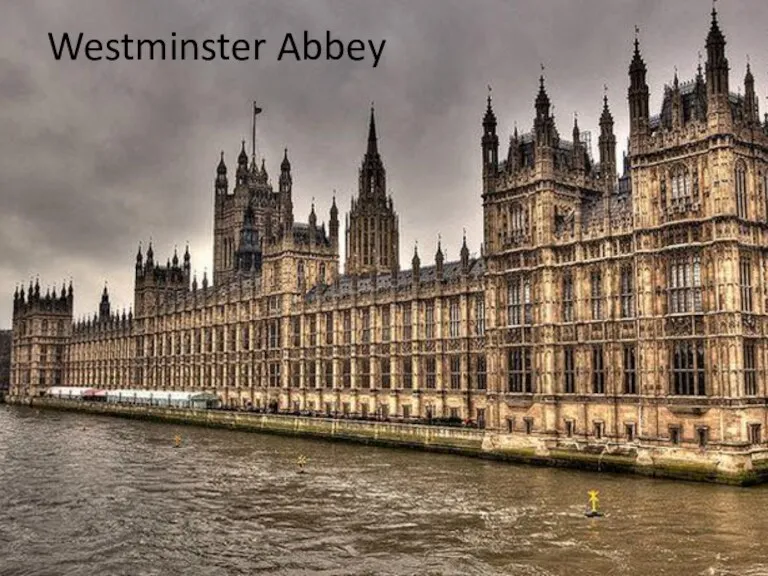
{"x": 627, "y": 306}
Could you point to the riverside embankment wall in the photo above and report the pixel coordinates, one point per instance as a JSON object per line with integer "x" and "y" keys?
{"x": 738, "y": 467}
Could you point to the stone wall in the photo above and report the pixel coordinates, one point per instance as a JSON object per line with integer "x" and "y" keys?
{"x": 739, "y": 467}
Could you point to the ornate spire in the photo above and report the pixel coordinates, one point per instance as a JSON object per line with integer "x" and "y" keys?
{"x": 542, "y": 98}
{"x": 373, "y": 148}
{"x": 464, "y": 253}
{"x": 242, "y": 158}
{"x": 715, "y": 34}
{"x": 490, "y": 118}
{"x": 285, "y": 166}
{"x": 221, "y": 169}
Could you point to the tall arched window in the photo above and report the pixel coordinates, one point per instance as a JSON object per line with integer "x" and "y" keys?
{"x": 741, "y": 189}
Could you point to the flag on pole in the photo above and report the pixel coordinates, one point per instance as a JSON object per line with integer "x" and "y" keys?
{"x": 256, "y": 109}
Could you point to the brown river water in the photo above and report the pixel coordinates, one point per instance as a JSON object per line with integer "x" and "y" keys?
{"x": 92, "y": 495}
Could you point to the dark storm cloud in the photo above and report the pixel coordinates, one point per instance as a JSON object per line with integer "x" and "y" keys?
{"x": 95, "y": 157}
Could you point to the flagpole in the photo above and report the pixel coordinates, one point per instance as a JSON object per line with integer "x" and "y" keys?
{"x": 256, "y": 112}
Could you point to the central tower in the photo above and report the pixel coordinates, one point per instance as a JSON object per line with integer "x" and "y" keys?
{"x": 373, "y": 243}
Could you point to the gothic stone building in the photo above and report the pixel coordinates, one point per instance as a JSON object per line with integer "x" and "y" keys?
{"x": 603, "y": 308}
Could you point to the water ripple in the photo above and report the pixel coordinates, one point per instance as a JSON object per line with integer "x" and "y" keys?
{"x": 86, "y": 495}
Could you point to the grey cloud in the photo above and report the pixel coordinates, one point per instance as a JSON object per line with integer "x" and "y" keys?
{"x": 95, "y": 157}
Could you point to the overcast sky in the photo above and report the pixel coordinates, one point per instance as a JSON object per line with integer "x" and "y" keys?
{"x": 95, "y": 157}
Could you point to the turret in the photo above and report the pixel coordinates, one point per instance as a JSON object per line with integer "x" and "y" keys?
{"x": 490, "y": 141}
{"x": 751, "y": 111}
{"x": 464, "y": 256}
{"x": 439, "y": 260}
{"x": 543, "y": 124}
{"x": 717, "y": 63}
{"x": 578, "y": 149}
{"x": 104, "y": 304}
{"x": 221, "y": 184}
{"x": 638, "y": 95}
{"x": 333, "y": 225}
{"x": 416, "y": 265}
{"x": 139, "y": 261}
{"x": 242, "y": 166}
{"x": 150, "y": 261}
{"x": 175, "y": 260}
{"x": 607, "y": 143}
{"x": 285, "y": 191}
{"x": 187, "y": 261}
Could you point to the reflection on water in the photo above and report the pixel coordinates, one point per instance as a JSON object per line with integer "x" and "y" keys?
{"x": 83, "y": 495}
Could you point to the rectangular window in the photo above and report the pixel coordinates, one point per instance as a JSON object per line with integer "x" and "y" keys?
{"x": 741, "y": 191}
{"x": 455, "y": 372}
{"x": 674, "y": 434}
{"x": 311, "y": 379}
{"x": 245, "y": 337}
{"x": 630, "y": 370}
{"x": 481, "y": 373}
{"x": 294, "y": 374}
{"x": 745, "y": 280}
{"x": 296, "y": 331}
{"x": 569, "y": 371}
{"x": 407, "y": 373}
{"x": 519, "y": 302}
{"x": 568, "y": 298}
{"x": 274, "y": 334}
{"x": 429, "y": 320}
{"x": 366, "y": 325}
{"x": 430, "y": 372}
{"x": 750, "y": 376}
{"x": 455, "y": 324}
{"x": 528, "y": 425}
{"x": 364, "y": 373}
{"x": 684, "y": 284}
{"x": 406, "y": 411}
{"x": 702, "y": 435}
{"x": 346, "y": 374}
{"x": 480, "y": 315}
{"x": 519, "y": 371}
{"x": 598, "y": 370}
{"x": 597, "y": 429}
{"x": 274, "y": 374}
{"x": 407, "y": 326}
{"x": 596, "y": 294}
{"x": 570, "y": 428}
{"x": 627, "y": 289}
{"x": 347, "y": 327}
{"x": 328, "y": 380}
{"x": 385, "y": 324}
{"x": 329, "y": 328}
{"x": 629, "y": 432}
{"x": 687, "y": 368}
{"x": 755, "y": 437}
{"x": 386, "y": 379}
{"x": 312, "y": 320}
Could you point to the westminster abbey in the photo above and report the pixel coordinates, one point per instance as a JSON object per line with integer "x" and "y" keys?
{"x": 629, "y": 308}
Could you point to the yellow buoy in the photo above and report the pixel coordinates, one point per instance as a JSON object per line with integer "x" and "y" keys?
{"x": 177, "y": 441}
{"x": 302, "y": 461}
{"x": 593, "y": 502}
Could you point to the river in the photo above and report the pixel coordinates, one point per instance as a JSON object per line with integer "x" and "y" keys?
{"x": 92, "y": 495}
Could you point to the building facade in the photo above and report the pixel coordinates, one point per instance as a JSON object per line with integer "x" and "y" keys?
{"x": 5, "y": 361}
{"x": 604, "y": 307}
